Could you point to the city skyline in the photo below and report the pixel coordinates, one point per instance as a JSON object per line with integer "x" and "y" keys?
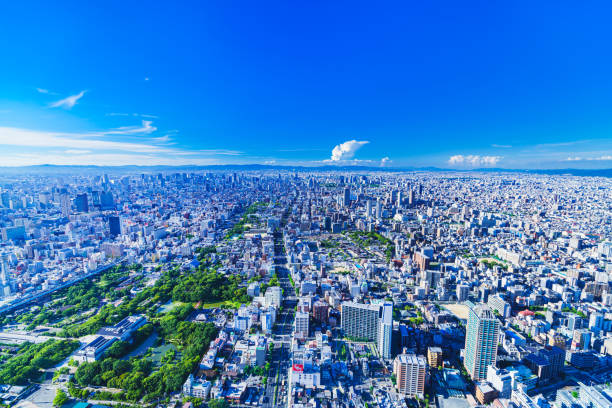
{"x": 496, "y": 86}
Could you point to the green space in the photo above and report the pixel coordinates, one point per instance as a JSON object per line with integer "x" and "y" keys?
{"x": 491, "y": 263}
{"x": 328, "y": 243}
{"x": 157, "y": 353}
{"x": 170, "y": 306}
{"x": 179, "y": 346}
{"x": 574, "y": 311}
{"x": 160, "y": 371}
{"x": 30, "y": 359}
{"x": 81, "y": 299}
{"x": 368, "y": 239}
{"x": 224, "y": 304}
{"x": 87, "y": 306}
{"x": 241, "y": 226}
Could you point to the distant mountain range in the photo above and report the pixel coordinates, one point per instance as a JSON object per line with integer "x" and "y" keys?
{"x": 61, "y": 169}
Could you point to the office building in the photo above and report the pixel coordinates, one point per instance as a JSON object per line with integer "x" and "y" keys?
{"x": 346, "y": 199}
{"x": 125, "y": 329}
{"x": 581, "y": 339}
{"x": 16, "y": 233}
{"x": 65, "y": 204}
{"x": 547, "y": 363}
{"x": 114, "y": 225}
{"x": 81, "y": 203}
{"x": 274, "y": 296}
{"x": 501, "y": 380}
{"x": 94, "y": 350}
{"x": 482, "y": 336}
{"x": 301, "y": 325}
{"x": 462, "y": 292}
{"x": 320, "y": 311}
{"x": 107, "y": 202}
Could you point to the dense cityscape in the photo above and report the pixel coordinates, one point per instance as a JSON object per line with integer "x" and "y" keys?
{"x": 277, "y": 288}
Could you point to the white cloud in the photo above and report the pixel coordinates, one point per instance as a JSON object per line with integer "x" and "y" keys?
{"x": 384, "y": 161}
{"x": 501, "y": 146}
{"x": 42, "y": 91}
{"x": 74, "y": 141}
{"x": 102, "y": 159}
{"x": 142, "y": 115}
{"x": 270, "y": 162}
{"x": 598, "y": 158}
{"x": 68, "y": 102}
{"x": 146, "y": 128}
{"x": 222, "y": 152}
{"x": 346, "y": 150}
{"x": 162, "y": 139}
{"x": 77, "y": 151}
{"x": 474, "y": 160}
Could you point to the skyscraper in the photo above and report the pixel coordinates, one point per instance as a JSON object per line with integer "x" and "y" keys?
{"x": 81, "y": 203}
{"x": 482, "y": 336}
{"x": 385, "y": 329}
{"x": 346, "y": 200}
{"x": 5, "y": 283}
{"x": 65, "y": 204}
{"x": 114, "y": 225}
{"x": 106, "y": 200}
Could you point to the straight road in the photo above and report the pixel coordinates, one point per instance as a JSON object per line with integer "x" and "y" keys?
{"x": 280, "y": 362}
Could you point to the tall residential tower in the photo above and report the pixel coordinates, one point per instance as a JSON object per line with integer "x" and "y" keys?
{"x": 482, "y": 336}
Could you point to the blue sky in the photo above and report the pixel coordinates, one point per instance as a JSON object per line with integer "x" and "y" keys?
{"x": 517, "y": 84}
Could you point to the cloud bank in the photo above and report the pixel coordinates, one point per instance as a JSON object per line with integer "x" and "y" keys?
{"x": 473, "y": 160}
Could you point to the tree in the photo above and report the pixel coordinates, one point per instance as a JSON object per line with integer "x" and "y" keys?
{"x": 60, "y": 398}
{"x": 218, "y": 403}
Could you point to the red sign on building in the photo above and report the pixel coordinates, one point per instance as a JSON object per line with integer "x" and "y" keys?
{"x": 298, "y": 367}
